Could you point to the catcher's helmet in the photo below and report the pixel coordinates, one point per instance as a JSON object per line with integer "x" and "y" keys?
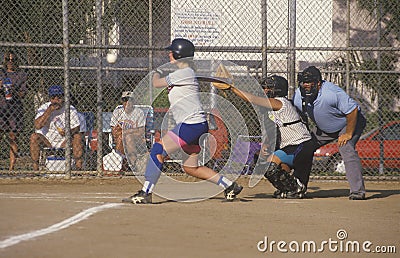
{"x": 181, "y": 48}
{"x": 310, "y": 74}
{"x": 277, "y": 84}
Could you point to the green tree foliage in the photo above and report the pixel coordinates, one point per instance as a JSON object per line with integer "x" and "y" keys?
{"x": 387, "y": 13}
{"x": 386, "y": 84}
{"x": 390, "y": 12}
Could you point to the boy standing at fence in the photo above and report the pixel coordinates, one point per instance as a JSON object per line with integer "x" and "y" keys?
{"x": 13, "y": 89}
{"x": 191, "y": 124}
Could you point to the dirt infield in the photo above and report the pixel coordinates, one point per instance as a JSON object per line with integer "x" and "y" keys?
{"x": 84, "y": 218}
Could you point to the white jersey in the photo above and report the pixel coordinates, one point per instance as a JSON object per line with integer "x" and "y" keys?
{"x": 136, "y": 118}
{"x": 56, "y": 120}
{"x": 292, "y": 131}
{"x": 184, "y": 97}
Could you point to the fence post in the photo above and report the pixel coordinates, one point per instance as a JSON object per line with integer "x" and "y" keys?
{"x": 292, "y": 45}
{"x": 66, "y": 87}
{"x": 99, "y": 107}
{"x": 151, "y": 45}
{"x": 347, "y": 46}
{"x": 379, "y": 82}
{"x": 264, "y": 38}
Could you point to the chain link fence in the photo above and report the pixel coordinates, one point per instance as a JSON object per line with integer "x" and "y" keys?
{"x": 354, "y": 43}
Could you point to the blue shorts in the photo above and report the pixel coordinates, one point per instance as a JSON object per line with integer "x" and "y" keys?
{"x": 288, "y": 154}
{"x": 188, "y": 136}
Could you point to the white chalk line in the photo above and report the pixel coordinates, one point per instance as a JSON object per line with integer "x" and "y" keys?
{"x": 56, "y": 227}
{"x": 59, "y": 195}
{"x": 82, "y": 197}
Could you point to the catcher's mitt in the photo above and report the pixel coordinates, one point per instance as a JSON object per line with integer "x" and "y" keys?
{"x": 225, "y": 78}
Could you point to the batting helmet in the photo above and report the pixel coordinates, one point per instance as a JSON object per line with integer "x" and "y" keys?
{"x": 181, "y": 48}
{"x": 277, "y": 84}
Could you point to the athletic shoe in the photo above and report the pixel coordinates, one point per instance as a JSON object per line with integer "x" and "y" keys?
{"x": 357, "y": 196}
{"x": 278, "y": 194}
{"x": 294, "y": 195}
{"x": 232, "y": 191}
{"x": 298, "y": 193}
{"x": 139, "y": 198}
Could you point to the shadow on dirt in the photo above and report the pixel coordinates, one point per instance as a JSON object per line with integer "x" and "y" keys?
{"x": 316, "y": 193}
{"x": 371, "y": 193}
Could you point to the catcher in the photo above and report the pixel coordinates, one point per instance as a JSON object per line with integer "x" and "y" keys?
{"x": 293, "y": 142}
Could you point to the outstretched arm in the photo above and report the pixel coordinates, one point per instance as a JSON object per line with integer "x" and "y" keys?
{"x": 270, "y": 103}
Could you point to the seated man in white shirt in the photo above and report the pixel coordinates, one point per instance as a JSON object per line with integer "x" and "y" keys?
{"x": 127, "y": 127}
{"x": 50, "y": 128}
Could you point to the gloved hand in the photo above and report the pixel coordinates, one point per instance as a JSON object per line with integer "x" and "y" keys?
{"x": 161, "y": 72}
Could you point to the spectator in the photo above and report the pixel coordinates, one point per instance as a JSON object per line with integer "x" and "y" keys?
{"x": 50, "y": 128}
{"x": 336, "y": 116}
{"x": 13, "y": 81}
{"x": 132, "y": 121}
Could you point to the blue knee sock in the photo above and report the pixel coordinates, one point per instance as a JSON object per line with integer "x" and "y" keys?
{"x": 153, "y": 168}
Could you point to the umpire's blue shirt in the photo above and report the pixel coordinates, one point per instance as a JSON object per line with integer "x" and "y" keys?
{"x": 330, "y": 108}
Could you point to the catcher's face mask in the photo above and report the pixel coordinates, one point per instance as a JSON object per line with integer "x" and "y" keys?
{"x": 309, "y": 83}
{"x": 268, "y": 91}
{"x": 268, "y": 86}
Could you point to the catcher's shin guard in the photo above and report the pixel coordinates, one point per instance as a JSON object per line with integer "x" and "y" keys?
{"x": 280, "y": 179}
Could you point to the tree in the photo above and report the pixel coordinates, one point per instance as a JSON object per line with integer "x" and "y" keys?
{"x": 387, "y": 13}
{"x": 390, "y": 13}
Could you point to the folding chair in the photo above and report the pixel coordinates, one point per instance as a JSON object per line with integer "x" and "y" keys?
{"x": 241, "y": 159}
{"x": 89, "y": 120}
{"x": 106, "y": 116}
{"x": 88, "y": 135}
{"x": 149, "y": 125}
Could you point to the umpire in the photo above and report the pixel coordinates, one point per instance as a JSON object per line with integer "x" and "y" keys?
{"x": 336, "y": 116}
